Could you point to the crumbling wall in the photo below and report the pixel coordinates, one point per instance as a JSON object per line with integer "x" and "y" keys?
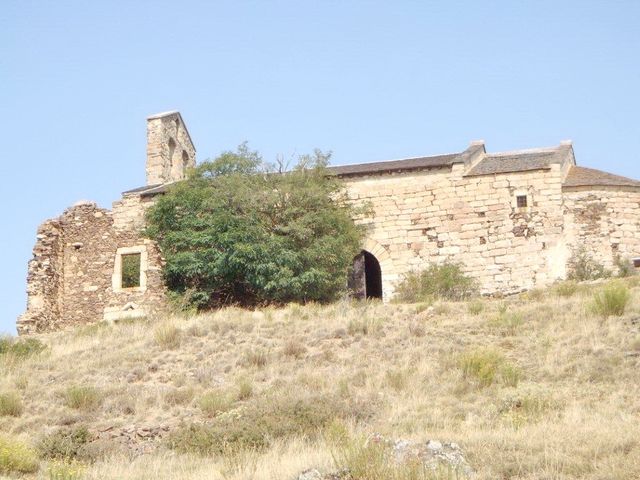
{"x": 44, "y": 281}
{"x": 604, "y": 221}
{"x": 71, "y": 277}
{"x": 437, "y": 215}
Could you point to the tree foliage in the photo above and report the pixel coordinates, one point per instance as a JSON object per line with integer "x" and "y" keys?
{"x": 237, "y": 232}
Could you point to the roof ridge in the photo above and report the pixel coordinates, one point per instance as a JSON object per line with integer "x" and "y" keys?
{"x": 523, "y": 151}
{"x": 399, "y": 159}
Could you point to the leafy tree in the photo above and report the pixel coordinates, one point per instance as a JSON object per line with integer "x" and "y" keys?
{"x": 237, "y": 232}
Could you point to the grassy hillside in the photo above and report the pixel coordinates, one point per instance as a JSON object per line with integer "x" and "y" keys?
{"x": 532, "y": 387}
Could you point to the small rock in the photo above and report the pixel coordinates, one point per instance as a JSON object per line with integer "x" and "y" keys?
{"x": 312, "y": 474}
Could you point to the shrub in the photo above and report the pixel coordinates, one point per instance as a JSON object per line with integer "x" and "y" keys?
{"x": 506, "y": 322}
{"x": 214, "y": 403}
{"x": 82, "y": 397}
{"x": 261, "y": 423}
{"x": 364, "y": 325}
{"x": 486, "y": 366}
{"x": 256, "y": 358}
{"x": 583, "y": 267}
{"x": 445, "y": 281}
{"x": 566, "y": 289}
{"x": 624, "y": 267}
{"x": 233, "y": 233}
{"x": 10, "y": 405}
{"x": 16, "y": 457}
{"x": 245, "y": 389}
{"x": 294, "y": 348}
{"x": 65, "y": 444}
{"x": 20, "y": 348}
{"x": 475, "y": 307}
{"x": 611, "y": 301}
{"x": 168, "y": 336}
{"x": 178, "y": 396}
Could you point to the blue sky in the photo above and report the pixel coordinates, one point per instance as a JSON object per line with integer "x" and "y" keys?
{"x": 366, "y": 80}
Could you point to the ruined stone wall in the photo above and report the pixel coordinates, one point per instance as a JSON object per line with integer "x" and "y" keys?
{"x": 438, "y": 215}
{"x": 44, "y": 281}
{"x": 73, "y": 277}
{"x": 605, "y": 221}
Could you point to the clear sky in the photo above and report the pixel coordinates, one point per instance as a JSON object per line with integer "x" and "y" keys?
{"x": 366, "y": 80}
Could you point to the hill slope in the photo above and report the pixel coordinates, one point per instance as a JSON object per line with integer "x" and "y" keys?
{"x": 534, "y": 387}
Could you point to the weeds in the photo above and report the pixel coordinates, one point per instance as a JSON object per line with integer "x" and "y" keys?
{"x": 66, "y": 470}
{"x": 16, "y": 457}
{"x": 167, "y": 336}
{"x": 256, "y": 358}
{"x": 445, "y": 281}
{"x": 475, "y": 307}
{"x": 214, "y": 403}
{"x": 82, "y": 397}
{"x": 65, "y": 444}
{"x": 611, "y": 301}
{"x": 10, "y": 405}
{"x": 20, "y": 348}
{"x": 364, "y": 325}
{"x": 486, "y": 366}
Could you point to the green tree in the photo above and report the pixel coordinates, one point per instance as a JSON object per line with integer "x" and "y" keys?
{"x": 237, "y": 232}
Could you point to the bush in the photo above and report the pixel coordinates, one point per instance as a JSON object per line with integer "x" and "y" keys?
{"x": 82, "y": 397}
{"x": 506, "y": 322}
{"x": 257, "y": 425}
{"x": 294, "y": 348}
{"x": 486, "y": 366}
{"x": 445, "y": 281}
{"x": 16, "y": 457}
{"x": 364, "y": 325}
{"x": 214, "y": 403}
{"x": 625, "y": 267}
{"x": 611, "y": 301}
{"x": 255, "y": 358}
{"x": 167, "y": 336}
{"x": 10, "y": 405}
{"x": 65, "y": 444}
{"x": 20, "y": 348}
{"x": 566, "y": 289}
{"x": 476, "y": 307}
{"x": 583, "y": 267}
{"x": 236, "y": 233}
{"x": 245, "y": 389}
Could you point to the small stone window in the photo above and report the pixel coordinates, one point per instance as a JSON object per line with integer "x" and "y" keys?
{"x": 130, "y": 269}
{"x": 131, "y": 263}
{"x": 636, "y": 262}
{"x": 521, "y": 201}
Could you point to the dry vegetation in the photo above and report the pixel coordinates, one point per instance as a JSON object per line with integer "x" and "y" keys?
{"x": 541, "y": 386}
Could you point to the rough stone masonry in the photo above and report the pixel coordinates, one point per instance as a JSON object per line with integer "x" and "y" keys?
{"x": 511, "y": 219}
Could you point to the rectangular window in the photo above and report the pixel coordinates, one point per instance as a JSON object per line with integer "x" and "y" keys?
{"x": 131, "y": 270}
{"x": 521, "y": 201}
{"x": 636, "y": 262}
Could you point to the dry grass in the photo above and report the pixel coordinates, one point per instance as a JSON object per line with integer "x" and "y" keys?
{"x": 531, "y": 387}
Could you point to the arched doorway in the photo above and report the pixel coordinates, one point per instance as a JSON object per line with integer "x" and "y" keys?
{"x": 366, "y": 278}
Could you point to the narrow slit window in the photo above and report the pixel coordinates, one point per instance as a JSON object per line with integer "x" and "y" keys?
{"x": 131, "y": 270}
{"x": 521, "y": 201}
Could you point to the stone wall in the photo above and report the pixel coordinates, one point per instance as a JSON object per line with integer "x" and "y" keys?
{"x": 605, "y": 221}
{"x": 437, "y": 215}
{"x": 170, "y": 151}
{"x": 72, "y": 278}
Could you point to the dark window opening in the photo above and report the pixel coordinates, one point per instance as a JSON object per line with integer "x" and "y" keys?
{"x": 636, "y": 262}
{"x": 521, "y": 201}
{"x": 131, "y": 270}
{"x": 366, "y": 278}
